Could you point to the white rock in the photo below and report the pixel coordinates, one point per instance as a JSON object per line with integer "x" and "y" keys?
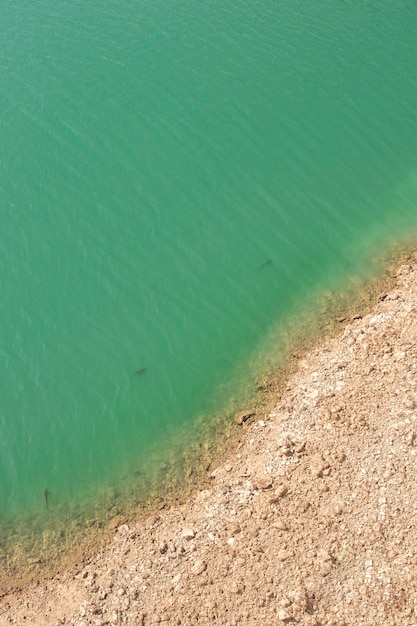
{"x": 188, "y": 534}
{"x": 283, "y": 615}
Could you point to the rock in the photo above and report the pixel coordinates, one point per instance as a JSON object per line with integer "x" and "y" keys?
{"x": 90, "y": 522}
{"x": 303, "y": 505}
{"x": 281, "y": 491}
{"x": 188, "y": 534}
{"x": 325, "y": 569}
{"x": 299, "y": 598}
{"x": 324, "y": 556}
{"x": 279, "y": 525}
{"x": 117, "y": 521}
{"x": 283, "y": 615}
{"x": 300, "y": 447}
{"x": 243, "y": 416}
{"x": 236, "y": 587}
{"x": 199, "y": 567}
{"x": 163, "y": 547}
{"x": 264, "y": 482}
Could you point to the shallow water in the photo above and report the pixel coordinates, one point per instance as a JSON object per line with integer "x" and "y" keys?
{"x": 176, "y": 180}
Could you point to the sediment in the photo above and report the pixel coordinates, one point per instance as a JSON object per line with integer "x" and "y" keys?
{"x": 311, "y": 520}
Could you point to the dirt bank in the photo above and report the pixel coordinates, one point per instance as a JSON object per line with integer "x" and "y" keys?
{"x": 312, "y": 521}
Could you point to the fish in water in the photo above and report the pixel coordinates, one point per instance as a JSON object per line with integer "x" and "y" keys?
{"x": 140, "y": 371}
{"x": 46, "y": 496}
{"x": 265, "y": 264}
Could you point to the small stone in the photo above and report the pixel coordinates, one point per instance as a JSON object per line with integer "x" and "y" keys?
{"x": 303, "y": 506}
{"x": 409, "y": 403}
{"x": 121, "y": 591}
{"x": 246, "y": 514}
{"x": 90, "y": 522}
{"x": 324, "y": 556}
{"x": 199, "y": 567}
{"x": 188, "y": 534}
{"x": 117, "y": 521}
{"x": 236, "y": 588}
{"x": 279, "y": 525}
{"x": 410, "y": 438}
{"x": 299, "y": 598}
{"x": 163, "y": 547}
{"x": 283, "y": 615}
{"x": 281, "y": 491}
{"x": 243, "y": 416}
{"x": 325, "y": 569}
{"x": 264, "y": 482}
{"x": 234, "y": 528}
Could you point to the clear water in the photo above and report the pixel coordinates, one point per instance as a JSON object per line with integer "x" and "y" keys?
{"x": 175, "y": 179}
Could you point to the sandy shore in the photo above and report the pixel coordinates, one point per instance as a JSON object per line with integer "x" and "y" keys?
{"x": 311, "y": 521}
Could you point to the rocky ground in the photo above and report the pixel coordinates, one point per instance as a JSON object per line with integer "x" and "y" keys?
{"x": 311, "y": 521}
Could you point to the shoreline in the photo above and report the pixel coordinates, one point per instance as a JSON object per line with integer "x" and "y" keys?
{"x": 37, "y": 548}
{"x": 282, "y": 486}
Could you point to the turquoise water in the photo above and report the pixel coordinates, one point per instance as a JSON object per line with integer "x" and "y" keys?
{"x": 176, "y": 178}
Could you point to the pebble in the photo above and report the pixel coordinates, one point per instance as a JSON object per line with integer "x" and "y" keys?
{"x": 279, "y": 525}
{"x": 281, "y": 491}
{"x": 163, "y": 547}
{"x": 300, "y": 447}
{"x": 264, "y": 482}
{"x": 243, "y": 416}
{"x": 325, "y": 569}
{"x": 188, "y": 534}
{"x": 283, "y": 615}
{"x": 199, "y": 567}
{"x": 324, "y": 556}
